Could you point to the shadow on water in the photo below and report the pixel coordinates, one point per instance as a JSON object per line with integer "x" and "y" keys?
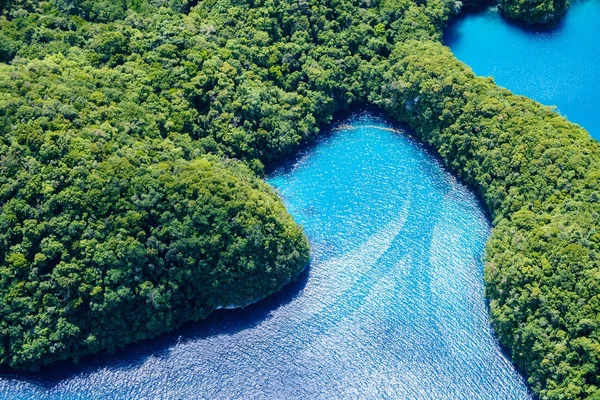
{"x": 453, "y": 35}
{"x": 220, "y": 322}
{"x": 491, "y": 12}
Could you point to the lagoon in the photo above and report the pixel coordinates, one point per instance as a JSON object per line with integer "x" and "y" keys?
{"x": 557, "y": 67}
{"x": 392, "y": 305}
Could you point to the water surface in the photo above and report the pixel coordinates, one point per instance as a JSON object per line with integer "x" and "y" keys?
{"x": 392, "y": 305}
{"x": 557, "y": 67}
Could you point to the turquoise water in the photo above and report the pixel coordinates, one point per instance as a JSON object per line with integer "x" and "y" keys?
{"x": 558, "y": 67}
{"x": 391, "y": 306}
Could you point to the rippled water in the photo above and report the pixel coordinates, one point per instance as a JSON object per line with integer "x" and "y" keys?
{"x": 560, "y": 66}
{"x": 392, "y": 305}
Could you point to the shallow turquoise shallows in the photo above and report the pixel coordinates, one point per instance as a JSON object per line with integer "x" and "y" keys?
{"x": 392, "y": 305}
{"x": 559, "y": 67}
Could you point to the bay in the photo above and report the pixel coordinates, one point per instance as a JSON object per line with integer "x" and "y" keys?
{"x": 558, "y": 67}
{"x": 391, "y": 306}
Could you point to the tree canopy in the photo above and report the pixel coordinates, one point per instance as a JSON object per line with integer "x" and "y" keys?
{"x": 134, "y": 135}
{"x": 534, "y": 12}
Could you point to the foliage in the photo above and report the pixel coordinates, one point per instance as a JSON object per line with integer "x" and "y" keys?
{"x": 124, "y": 213}
{"x": 534, "y": 12}
{"x": 117, "y": 226}
{"x": 538, "y": 175}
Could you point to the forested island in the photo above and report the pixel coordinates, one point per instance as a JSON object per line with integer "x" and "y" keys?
{"x": 534, "y": 12}
{"x": 135, "y": 133}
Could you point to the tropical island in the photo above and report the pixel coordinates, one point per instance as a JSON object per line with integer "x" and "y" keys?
{"x": 135, "y": 134}
{"x": 535, "y": 12}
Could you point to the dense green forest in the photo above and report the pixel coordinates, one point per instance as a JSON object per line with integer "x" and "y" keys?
{"x": 134, "y": 134}
{"x": 534, "y": 12}
{"x": 539, "y": 176}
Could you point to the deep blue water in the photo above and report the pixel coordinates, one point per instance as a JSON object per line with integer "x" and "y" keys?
{"x": 558, "y": 67}
{"x": 392, "y": 305}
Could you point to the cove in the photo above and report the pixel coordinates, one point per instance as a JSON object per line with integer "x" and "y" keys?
{"x": 392, "y": 305}
{"x": 557, "y": 67}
